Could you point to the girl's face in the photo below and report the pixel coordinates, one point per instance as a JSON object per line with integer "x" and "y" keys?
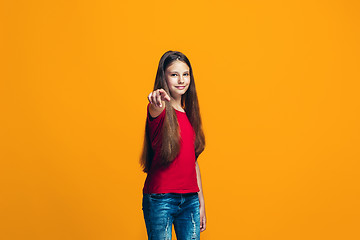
{"x": 177, "y": 76}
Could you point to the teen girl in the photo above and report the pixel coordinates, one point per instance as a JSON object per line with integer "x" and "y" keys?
{"x": 174, "y": 139}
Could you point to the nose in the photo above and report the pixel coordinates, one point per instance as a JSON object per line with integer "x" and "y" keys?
{"x": 181, "y": 79}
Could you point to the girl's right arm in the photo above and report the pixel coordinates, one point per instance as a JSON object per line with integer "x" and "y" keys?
{"x": 157, "y": 104}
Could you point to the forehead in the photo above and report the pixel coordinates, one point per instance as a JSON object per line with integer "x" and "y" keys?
{"x": 177, "y": 66}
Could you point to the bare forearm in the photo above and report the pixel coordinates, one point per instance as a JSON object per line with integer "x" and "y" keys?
{"x": 200, "y": 193}
{"x": 201, "y": 199}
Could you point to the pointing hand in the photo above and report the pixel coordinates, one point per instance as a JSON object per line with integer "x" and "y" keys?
{"x": 156, "y": 97}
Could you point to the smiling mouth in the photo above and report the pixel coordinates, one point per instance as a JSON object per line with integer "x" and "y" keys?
{"x": 181, "y": 87}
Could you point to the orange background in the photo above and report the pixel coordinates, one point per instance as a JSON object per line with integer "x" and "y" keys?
{"x": 278, "y": 86}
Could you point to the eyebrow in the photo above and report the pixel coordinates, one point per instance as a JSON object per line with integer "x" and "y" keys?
{"x": 178, "y": 72}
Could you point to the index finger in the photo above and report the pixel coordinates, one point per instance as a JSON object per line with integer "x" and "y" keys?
{"x": 164, "y": 94}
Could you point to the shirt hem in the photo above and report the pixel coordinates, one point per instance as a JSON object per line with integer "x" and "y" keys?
{"x": 173, "y": 191}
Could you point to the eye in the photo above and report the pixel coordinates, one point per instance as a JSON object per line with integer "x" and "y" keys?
{"x": 174, "y": 74}
{"x": 186, "y": 74}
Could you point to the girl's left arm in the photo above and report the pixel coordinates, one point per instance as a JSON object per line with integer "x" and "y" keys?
{"x": 201, "y": 199}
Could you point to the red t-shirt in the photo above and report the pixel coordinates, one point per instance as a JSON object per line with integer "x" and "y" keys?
{"x": 180, "y": 175}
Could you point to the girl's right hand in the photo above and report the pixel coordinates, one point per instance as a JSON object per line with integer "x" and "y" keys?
{"x": 156, "y": 97}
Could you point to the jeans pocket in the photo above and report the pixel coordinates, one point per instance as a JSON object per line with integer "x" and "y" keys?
{"x": 157, "y": 195}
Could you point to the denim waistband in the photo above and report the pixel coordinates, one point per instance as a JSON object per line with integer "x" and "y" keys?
{"x": 175, "y": 194}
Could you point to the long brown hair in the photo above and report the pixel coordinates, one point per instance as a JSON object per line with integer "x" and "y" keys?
{"x": 170, "y": 139}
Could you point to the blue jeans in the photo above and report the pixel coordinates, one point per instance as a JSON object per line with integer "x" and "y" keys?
{"x": 164, "y": 209}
